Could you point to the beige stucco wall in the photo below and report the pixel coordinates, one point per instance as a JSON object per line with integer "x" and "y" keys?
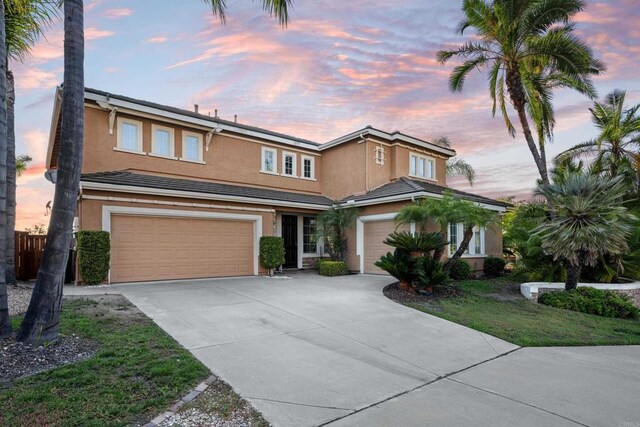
{"x": 229, "y": 159}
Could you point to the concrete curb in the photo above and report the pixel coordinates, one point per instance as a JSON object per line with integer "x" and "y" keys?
{"x": 180, "y": 403}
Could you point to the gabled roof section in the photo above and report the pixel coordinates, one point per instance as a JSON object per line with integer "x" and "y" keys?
{"x": 407, "y": 188}
{"x": 391, "y": 137}
{"x": 106, "y": 98}
{"x": 127, "y": 181}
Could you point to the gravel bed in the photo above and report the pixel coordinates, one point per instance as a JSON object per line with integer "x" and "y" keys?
{"x": 19, "y": 297}
{"x": 18, "y": 360}
{"x": 393, "y": 292}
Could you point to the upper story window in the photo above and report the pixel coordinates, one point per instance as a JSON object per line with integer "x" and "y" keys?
{"x": 308, "y": 167}
{"x": 422, "y": 167}
{"x": 129, "y": 135}
{"x": 289, "y": 164}
{"x": 191, "y": 147}
{"x": 162, "y": 141}
{"x": 476, "y": 244}
{"x": 269, "y": 160}
{"x": 379, "y": 155}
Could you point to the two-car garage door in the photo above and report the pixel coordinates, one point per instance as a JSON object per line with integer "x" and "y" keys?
{"x": 163, "y": 248}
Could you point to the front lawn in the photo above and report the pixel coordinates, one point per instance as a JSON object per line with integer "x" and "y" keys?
{"x": 495, "y": 307}
{"x": 137, "y": 372}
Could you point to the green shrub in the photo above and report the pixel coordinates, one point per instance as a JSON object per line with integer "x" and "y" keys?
{"x": 461, "y": 270}
{"x": 94, "y": 256}
{"x": 398, "y": 264}
{"x": 494, "y": 266}
{"x": 429, "y": 273}
{"x": 592, "y": 301}
{"x": 418, "y": 242}
{"x": 271, "y": 252}
{"x": 333, "y": 268}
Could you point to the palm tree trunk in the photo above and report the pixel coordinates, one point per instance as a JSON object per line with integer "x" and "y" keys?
{"x": 464, "y": 245}
{"x": 11, "y": 182}
{"x": 573, "y": 276}
{"x": 518, "y": 100}
{"x": 5, "y": 323}
{"x": 438, "y": 253}
{"x": 42, "y": 321}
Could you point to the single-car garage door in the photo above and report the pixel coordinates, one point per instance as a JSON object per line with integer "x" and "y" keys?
{"x": 374, "y": 233}
{"x": 162, "y": 248}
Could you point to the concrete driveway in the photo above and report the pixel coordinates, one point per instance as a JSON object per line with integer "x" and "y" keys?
{"x": 316, "y": 351}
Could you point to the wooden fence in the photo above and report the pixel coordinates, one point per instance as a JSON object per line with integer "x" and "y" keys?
{"x": 29, "y": 250}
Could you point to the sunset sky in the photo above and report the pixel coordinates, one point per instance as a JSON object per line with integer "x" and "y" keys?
{"x": 339, "y": 66}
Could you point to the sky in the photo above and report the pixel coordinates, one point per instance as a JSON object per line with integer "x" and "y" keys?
{"x": 339, "y": 66}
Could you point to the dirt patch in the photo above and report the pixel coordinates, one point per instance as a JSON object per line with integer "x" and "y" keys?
{"x": 509, "y": 292}
{"x": 115, "y": 306}
{"x": 394, "y": 293}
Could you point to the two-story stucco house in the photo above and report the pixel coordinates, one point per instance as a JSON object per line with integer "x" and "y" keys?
{"x": 187, "y": 195}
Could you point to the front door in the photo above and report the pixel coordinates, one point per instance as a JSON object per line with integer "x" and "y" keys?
{"x": 290, "y": 236}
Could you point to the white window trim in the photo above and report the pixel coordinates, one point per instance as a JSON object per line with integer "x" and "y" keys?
{"x": 294, "y": 170}
{"x": 275, "y": 161}
{"x": 313, "y": 168}
{"x": 108, "y": 211}
{"x": 379, "y": 155}
{"x": 200, "y": 159}
{"x": 138, "y": 124}
{"x": 172, "y": 142}
{"x": 472, "y": 243}
{"x": 317, "y": 251}
{"x": 427, "y": 159}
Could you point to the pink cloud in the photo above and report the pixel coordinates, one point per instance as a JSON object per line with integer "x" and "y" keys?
{"x": 93, "y": 33}
{"x": 157, "y": 39}
{"x": 35, "y": 78}
{"x": 36, "y": 142}
{"x": 118, "y": 13}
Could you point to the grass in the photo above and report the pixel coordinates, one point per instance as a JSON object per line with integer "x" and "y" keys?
{"x": 138, "y": 372}
{"x": 488, "y": 307}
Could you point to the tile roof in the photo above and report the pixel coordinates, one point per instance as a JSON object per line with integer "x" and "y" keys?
{"x": 198, "y": 115}
{"x": 213, "y": 188}
{"x": 410, "y": 186}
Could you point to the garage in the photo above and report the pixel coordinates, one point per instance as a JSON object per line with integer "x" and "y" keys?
{"x": 374, "y": 233}
{"x": 145, "y": 247}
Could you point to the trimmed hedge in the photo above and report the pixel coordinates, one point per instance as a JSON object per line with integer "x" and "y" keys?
{"x": 592, "y": 301}
{"x": 461, "y": 270}
{"x": 333, "y": 268}
{"x": 494, "y": 266}
{"x": 94, "y": 256}
{"x": 271, "y": 252}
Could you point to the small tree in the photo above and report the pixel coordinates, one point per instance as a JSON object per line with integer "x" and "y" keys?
{"x": 332, "y": 227}
{"x": 271, "y": 252}
{"x": 589, "y": 221}
{"x": 94, "y": 256}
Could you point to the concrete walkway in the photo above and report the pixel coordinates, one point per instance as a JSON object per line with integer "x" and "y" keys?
{"x": 317, "y": 351}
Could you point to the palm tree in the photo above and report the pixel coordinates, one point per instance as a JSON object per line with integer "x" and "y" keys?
{"x": 24, "y": 21}
{"x": 5, "y": 322}
{"x": 21, "y": 164}
{"x": 332, "y": 228}
{"x": 457, "y": 166}
{"x": 41, "y": 322}
{"x": 617, "y": 148}
{"x": 589, "y": 221}
{"x": 530, "y": 48}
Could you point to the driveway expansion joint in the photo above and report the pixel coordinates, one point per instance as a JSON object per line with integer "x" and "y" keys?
{"x": 309, "y": 405}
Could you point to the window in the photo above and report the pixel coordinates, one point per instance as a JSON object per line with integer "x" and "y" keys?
{"x": 269, "y": 160}
{"x": 162, "y": 141}
{"x": 422, "y": 167}
{"x": 289, "y": 164}
{"x": 309, "y": 242}
{"x": 476, "y": 244}
{"x": 379, "y": 155}
{"x": 308, "y": 171}
{"x": 129, "y": 135}
{"x": 191, "y": 147}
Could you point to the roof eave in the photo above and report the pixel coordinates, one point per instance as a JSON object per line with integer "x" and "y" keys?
{"x": 412, "y": 196}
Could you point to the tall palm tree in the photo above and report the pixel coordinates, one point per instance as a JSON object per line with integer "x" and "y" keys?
{"x": 589, "y": 221}
{"x": 21, "y": 164}
{"x": 25, "y": 21}
{"x": 617, "y": 148}
{"x": 41, "y": 322}
{"x": 5, "y": 322}
{"x": 529, "y": 48}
